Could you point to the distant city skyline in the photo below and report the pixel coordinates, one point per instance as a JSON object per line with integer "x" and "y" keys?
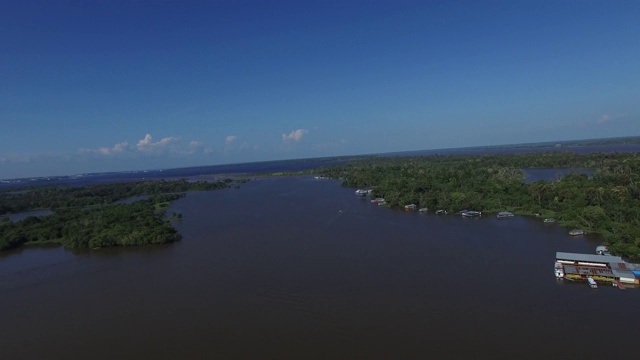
{"x": 132, "y": 85}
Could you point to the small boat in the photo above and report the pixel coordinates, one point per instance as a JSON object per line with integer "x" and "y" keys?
{"x": 602, "y": 250}
{"x": 592, "y": 283}
{"x": 410, "y": 207}
{"x": 423, "y": 210}
{"x": 471, "y": 213}
{"x": 377, "y": 200}
{"x": 363, "y": 192}
{"x": 549, "y": 220}
{"x": 619, "y": 285}
{"x": 576, "y": 232}
{"x": 441, "y": 212}
{"x": 504, "y": 215}
{"x": 559, "y": 270}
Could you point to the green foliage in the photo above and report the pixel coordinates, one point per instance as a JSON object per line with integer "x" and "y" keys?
{"x": 608, "y": 203}
{"x": 60, "y": 197}
{"x": 91, "y": 219}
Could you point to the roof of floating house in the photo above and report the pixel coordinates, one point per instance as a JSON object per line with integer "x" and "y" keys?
{"x": 602, "y": 259}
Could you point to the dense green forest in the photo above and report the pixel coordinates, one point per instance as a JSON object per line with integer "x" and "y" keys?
{"x": 606, "y": 203}
{"x": 58, "y": 197}
{"x": 91, "y": 217}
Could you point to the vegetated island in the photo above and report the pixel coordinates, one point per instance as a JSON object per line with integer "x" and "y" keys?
{"x": 96, "y": 216}
{"x": 607, "y": 202}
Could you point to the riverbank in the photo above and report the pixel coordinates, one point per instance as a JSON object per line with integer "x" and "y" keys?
{"x": 606, "y": 203}
{"x": 122, "y": 214}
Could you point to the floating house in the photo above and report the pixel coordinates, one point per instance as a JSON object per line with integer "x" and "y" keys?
{"x": 598, "y": 267}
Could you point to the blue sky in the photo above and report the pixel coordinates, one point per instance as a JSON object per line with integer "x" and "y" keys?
{"x": 92, "y": 86}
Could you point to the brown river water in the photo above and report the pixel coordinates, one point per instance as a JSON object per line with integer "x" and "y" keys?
{"x": 297, "y": 268}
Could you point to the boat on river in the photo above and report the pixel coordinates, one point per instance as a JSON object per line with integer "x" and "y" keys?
{"x": 549, "y": 220}
{"x": 602, "y": 250}
{"x": 619, "y": 285}
{"x": 441, "y": 212}
{"x": 559, "y": 270}
{"x": 471, "y": 213}
{"x": 592, "y": 283}
{"x": 504, "y": 215}
{"x": 576, "y": 232}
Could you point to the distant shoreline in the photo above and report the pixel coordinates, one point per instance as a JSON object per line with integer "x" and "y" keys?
{"x": 620, "y": 144}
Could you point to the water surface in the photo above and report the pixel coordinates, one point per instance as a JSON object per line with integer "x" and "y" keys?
{"x": 25, "y": 214}
{"x": 302, "y": 268}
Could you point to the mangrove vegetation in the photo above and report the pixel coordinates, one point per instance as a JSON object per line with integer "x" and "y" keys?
{"x": 96, "y": 216}
{"x": 608, "y": 202}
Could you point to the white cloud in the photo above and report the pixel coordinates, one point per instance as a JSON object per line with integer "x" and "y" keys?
{"x": 168, "y": 145}
{"x": 116, "y": 149}
{"x": 146, "y": 145}
{"x": 608, "y": 118}
{"x": 230, "y": 139}
{"x": 106, "y": 151}
{"x": 295, "y": 135}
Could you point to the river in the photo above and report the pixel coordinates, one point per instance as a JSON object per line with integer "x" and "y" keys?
{"x": 301, "y": 268}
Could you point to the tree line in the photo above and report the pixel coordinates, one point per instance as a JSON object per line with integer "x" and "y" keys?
{"x": 89, "y": 217}
{"x": 607, "y": 202}
{"x": 64, "y": 196}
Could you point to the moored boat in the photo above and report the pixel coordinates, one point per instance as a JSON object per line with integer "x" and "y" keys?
{"x": 602, "y": 250}
{"x": 619, "y": 285}
{"x": 592, "y": 283}
{"x": 504, "y": 215}
{"x": 576, "y": 232}
{"x": 559, "y": 270}
{"x": 549, "y": 220}
{"x": 471, "y": 213}
{"x": 441, "y": 212}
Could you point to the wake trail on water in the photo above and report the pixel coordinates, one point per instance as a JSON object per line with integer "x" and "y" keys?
{"x": 320, "y": 308}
